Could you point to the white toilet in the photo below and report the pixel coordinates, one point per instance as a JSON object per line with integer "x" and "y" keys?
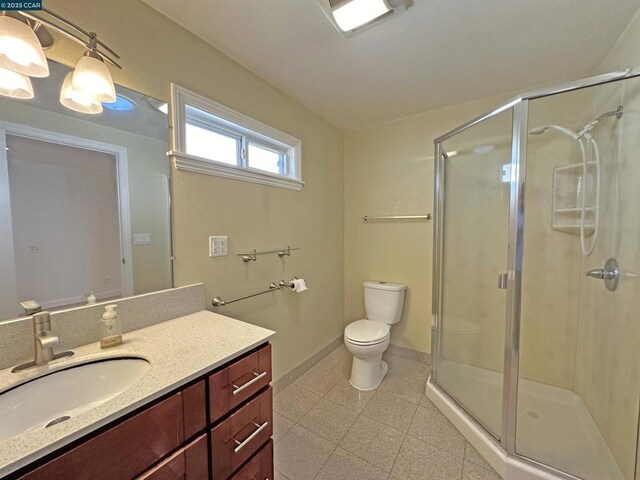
{"x": 367, "y": 339}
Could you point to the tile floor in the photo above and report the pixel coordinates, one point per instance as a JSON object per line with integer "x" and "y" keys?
{"x": 326, "y": 430}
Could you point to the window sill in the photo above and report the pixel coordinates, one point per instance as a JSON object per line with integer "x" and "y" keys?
{"x": 191, "y": 163}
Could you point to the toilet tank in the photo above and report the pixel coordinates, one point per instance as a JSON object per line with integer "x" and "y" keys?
{"x": 384, "y": 301}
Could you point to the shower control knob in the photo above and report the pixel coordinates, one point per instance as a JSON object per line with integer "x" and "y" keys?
{"x": 610, "y": 274}
{"x": 598, "y": 273}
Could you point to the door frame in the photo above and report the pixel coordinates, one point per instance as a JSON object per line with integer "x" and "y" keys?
{"x": 7, "y": 256}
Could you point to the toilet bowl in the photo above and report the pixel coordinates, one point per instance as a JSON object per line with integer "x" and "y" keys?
{"x": 367, "y": 339}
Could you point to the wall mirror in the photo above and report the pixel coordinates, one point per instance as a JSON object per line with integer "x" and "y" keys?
{"x": 84, "y": 199}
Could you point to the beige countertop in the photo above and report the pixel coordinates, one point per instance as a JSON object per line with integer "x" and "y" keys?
{"x": 178, "y": 350}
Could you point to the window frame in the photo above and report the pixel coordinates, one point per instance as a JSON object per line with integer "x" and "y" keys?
{"x": 221, "y": 119}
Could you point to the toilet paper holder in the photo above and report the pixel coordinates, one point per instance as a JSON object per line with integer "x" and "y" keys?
{"x": 289, "y": 284}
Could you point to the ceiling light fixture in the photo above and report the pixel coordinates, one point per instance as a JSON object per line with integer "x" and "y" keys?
{"x": 353, "y": 16}
{"x": 20, "y": 49}
{"x": 15, "y": 85}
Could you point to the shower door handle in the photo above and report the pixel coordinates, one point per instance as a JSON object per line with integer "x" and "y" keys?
{"x": 502, "y": 281}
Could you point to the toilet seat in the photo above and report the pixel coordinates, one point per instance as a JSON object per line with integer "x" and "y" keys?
{"x": 366, "y": 332}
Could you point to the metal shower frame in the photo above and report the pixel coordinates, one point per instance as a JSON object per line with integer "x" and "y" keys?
{"x": 520, "y": 108}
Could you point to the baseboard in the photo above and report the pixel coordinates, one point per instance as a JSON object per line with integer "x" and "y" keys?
{"x": 290, "y": 377}
{"x": 405, "y": 352}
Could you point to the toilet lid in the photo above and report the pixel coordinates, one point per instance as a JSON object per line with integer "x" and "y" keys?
{"x": 366, "y": 331}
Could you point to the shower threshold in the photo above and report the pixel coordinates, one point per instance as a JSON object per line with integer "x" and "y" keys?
{"x": 554, "y": 426}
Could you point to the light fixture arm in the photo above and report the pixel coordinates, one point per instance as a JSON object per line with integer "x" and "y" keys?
{"x": 75, "y": 33}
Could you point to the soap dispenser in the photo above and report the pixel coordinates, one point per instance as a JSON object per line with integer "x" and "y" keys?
{"x": 110, "y": 328}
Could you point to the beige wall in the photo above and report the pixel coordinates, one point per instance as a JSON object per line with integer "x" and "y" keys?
{"x": 389, "y": 171}
{"x": 155, "y": 51}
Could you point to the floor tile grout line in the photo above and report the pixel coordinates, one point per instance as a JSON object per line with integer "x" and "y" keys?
{"x": 361, "y": 414}
{"x": 314, "y": 433}
{"x": 404, "y": 439}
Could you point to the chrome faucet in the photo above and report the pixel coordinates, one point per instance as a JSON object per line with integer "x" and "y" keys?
{"x": 43, "y": 341}
{"x": 43, "y": 338}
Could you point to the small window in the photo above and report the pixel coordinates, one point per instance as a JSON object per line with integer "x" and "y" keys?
{"x": 264, "y": 158}
{"x": 209, "y": 138}
{"x": 211, "y": 144}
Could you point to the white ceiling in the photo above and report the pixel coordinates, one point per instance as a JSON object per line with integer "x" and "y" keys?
{"x": 438, "y": 53}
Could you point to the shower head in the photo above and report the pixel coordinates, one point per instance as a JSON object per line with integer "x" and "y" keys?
{"x": 564, "y": 130}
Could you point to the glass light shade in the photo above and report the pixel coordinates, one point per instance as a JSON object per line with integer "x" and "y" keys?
{"x": 15, "y": 85}
{"x": 20, "y": 49}
{"x": 92, "y": 78}
{"x": 76, "y": 100}
{"x": 356, "y": 13}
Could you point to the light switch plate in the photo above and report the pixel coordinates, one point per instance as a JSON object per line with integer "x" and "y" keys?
{"x": 218, "y": 246}
{"x": 142, "y": 239}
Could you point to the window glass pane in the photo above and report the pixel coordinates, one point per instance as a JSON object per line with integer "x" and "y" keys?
{"x": 212, "y": 145}
{"x": 264, "y": 159}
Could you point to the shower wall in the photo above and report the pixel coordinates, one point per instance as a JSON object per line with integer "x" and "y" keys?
{"x": 549, "y": 317}
{"x": 575, "y": 333}
{"x": 608, "y": 372}
{"x": 550, "y": 290}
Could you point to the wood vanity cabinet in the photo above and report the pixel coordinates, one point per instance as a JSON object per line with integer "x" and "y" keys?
{"x": 218, "y": 427}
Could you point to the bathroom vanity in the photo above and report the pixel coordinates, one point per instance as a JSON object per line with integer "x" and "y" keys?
{"x": 203, "y": 410}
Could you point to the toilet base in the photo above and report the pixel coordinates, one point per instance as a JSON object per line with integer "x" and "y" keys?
{"x": 368, "y": 373}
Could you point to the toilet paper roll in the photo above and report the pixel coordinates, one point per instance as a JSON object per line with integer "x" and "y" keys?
{"x": 298, "y": 285}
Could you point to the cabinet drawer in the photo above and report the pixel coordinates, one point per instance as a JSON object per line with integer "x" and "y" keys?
{"x": 124, "y": 451}
{"x": 234, "y": 384}
{"x": 188, "y": 463}
{"x": 259, "y": 467}
{"x": 237, "y": 438}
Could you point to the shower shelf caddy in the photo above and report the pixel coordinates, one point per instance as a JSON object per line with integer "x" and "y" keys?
{"x": 568, "y": 183}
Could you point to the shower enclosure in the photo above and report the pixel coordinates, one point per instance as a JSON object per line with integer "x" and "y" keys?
{"x": 536, "y": 317}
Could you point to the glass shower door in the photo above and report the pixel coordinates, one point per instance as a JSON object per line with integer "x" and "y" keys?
{"x": 474, "y": 182}
{"x": 579, "y": 375}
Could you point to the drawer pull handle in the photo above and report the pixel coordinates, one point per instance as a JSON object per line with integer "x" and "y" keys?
{"x": 257, "y": 376}
{"x": 241, "y": 445}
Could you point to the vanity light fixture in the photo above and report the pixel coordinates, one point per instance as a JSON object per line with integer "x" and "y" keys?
{"x": 15, "y": 85}
{"x": 20, "y": 49}
{"x": 22, "y": 37}
{"x": 78, "y": 101}
{"x": 92, "y": 77}
{"x": 353, "y": 16}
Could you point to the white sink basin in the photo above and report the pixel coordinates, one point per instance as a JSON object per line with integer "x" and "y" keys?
{"x": 54, "y": 398}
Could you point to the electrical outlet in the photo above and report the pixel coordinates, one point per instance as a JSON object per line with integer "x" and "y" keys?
{"x": 218, "y": 246}
{"x": 106, "y": 280}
